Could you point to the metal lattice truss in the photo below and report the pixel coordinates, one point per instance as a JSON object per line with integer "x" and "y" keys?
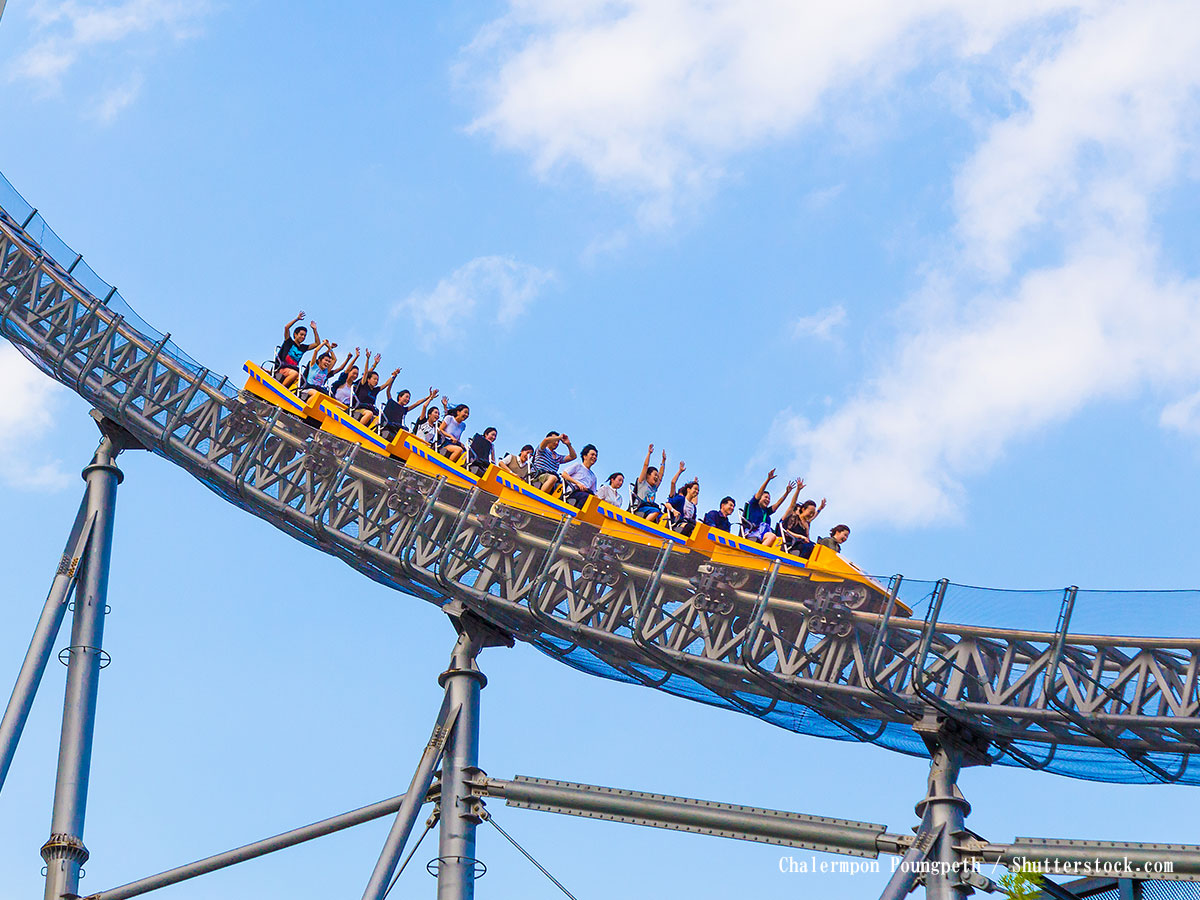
{"x": 664, "y": 618}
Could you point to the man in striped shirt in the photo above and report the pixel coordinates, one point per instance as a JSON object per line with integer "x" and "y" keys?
{"x": 543, "y": 473}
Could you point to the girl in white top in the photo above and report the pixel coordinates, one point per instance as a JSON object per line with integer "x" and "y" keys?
{"x": 427, "y": 426}
{"x": 610, "y": 491}
{"x": 450, "y": 432}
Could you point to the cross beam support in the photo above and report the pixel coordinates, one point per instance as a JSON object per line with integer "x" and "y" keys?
{"x": 48, "y": 626}
{"x": 254, "y": 850}
{"x": 406, "y": 816}
{"x": 745, "y": 823}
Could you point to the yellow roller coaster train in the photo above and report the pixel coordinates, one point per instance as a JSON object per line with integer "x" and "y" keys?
{"x": 852, "y": 587}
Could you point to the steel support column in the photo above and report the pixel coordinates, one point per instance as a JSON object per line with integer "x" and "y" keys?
{"x": 65, "y": 852}
{"x": 943, "y": 812}
{"x": 460, "y": 763}
{"x": 455, "y": 741}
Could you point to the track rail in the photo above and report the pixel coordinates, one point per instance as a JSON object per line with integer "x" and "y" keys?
{"x": 1107, "y": 708}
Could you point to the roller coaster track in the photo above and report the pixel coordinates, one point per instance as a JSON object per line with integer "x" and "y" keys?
{"x": 1107, "y": 708}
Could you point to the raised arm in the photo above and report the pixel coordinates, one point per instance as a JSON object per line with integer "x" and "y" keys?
{"x": 566, "y": 440}
{"x": 425, "y": 406}
{"x": 316, "y": 337}
{"x": 820, "y": 506}
{"x": 316, "y": 349}
{"x": 646, "y": 464}
{"x": 675, "y": 478}
{"x": 287, "y": 329}
{"x": 345, "y": 362}
{"x": 391, "y": 380}
{"x": 370, "y": 366}
{"x": 793, "y": 491}
{"x": 766, "y": 481}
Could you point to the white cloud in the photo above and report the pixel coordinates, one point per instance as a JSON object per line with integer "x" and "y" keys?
{"x": 25, "y": 416}
{"x": 1105, "y": 129}
{"x": 654, "y": 96}
{"x": 820, "y": 325}
{"x": 69, "y": 31}
{"x": 820, "y": 199}
{"x": 954, "y": 397}
{"x": 1183, "y": 415}
{"x": 117, "y": 99}
{"x": 497, "y": 287}
{"x": 1106, "y": 120}
{"x": 1051, "y": 290}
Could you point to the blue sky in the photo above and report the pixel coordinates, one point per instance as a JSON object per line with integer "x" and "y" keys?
{"x": 938, "y": 260}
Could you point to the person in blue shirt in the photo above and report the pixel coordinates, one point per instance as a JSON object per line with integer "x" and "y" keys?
{"x": 719, "y": 518}
{"x": 318, "y": 378}
{"x": 759, "y": 511}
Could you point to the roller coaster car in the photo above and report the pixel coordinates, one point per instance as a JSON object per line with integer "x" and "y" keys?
{"x": 264, "y": 386}
{"x": 337, "y": 421}
{"x": 623, "y": 525}
{"x": 424, "y": 459}
{"x": 321, "y": 411}
{"x": 835, "y": 582}
{"x": 517, "y": 494}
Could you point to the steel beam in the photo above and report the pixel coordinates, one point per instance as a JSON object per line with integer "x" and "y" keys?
{"x": 38, "y": 654}
{"x": 768, "y": 826}
{"x": 65, "y": 852}
{"x": 410, "y": 808}
{"x": 1063, "y": 856}
{"x": 255, "y": 850}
